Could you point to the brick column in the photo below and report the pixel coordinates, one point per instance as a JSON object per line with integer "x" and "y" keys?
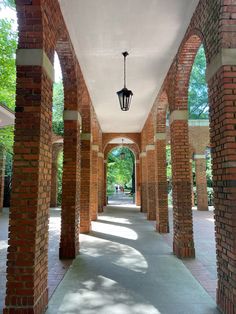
{"x": 69, "y": 242}
{"x": 100, "y": 182}
{"x": 27, "y": 259}
{"x": 183, "y": 244}
{"x": 162, "y": 223}
{"x": 2, "y": 175}
{"x": 54, "y": 182}
{"x": 221, "y": 80}
{"x": 86, "y": 153}
{"x": 151, "y": 183}
{"x": 94, "y": 183}
{"x": 138, "y": 183}
{"x": 105, "y": 183}
{"x": 143, "y": 157}
{"x": 201, "y": 182}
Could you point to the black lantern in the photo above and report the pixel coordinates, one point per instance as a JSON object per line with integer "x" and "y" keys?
{"x": 124, "y": 94}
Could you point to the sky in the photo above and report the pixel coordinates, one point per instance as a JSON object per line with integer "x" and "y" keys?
{"x": 11, "y": 15}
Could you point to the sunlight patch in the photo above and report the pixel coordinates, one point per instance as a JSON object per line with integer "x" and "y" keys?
{"x": 118, "y": 231}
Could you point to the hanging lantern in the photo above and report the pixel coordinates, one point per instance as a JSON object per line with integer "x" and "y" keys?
{"x": 125, "y": 95}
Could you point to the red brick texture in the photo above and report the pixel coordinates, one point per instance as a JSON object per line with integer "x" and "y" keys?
{"x": 69, "y": 242}
{"x": 85, "y": 214}
{"x": 162, "y": 220}
{"x": 223, "y": 133}
{"x": 183, "y": 245}
{"x": 56, "y": 148}
{"x": 2, "y": 175}
{"x": 201, "y": 184}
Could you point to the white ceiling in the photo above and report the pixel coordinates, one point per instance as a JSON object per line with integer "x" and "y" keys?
{"x": 121, "y": 140}
{"x": 150, "y": 30}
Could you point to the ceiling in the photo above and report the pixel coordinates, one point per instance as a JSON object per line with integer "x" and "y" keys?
{"x": 150, "y": 30}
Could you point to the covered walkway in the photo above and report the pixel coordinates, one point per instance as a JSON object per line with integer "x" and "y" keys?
{"x": 125, "y": 268}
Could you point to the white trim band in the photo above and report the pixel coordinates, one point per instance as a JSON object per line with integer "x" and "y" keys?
{"x": 85, "y": 136}
{"x": 35, "y": 57}
{"x": 178, "y": 115}
{"x": 160, "y": 137}
{"x": 199, "y": 156}
{"x": 143, "y": 154}
{"x": 150, "y": 147}
{"x": 72, "y": 115}
{"x": 95, "y": 148}
{"x": 226, "y": 56}
{"x": 100, "y": 155}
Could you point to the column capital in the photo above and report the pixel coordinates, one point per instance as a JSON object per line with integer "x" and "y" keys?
{"x": 95, "y": 148}
{"x": 199, "y": 156}
{"x": 72, "y": 115}
{"x": 100, "y": 154}
{"x": 35, "y": 57}
{"x": 226, "y": 56}
{"x": 150, "y": 147}
{"x": 143, "y": 154}
{"x": 161, "y": 136}
{"x": 178, "y": 115}
{"x": 85, "y": 136}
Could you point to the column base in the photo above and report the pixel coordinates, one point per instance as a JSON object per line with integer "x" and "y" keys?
{"x": 184, "y": 250}
{"x": 225, "y": 304}
{"x": 68, "y": 251}
{"x": 162, "y": 228}
{"x": 151, "y": 216}
{"x": 85, "y": 229}
{"x": 203, "y": 209}
{"x": 38, "y": 308}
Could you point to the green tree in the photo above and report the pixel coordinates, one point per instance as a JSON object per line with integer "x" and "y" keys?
{"x": 198, "y": 92}
{"x": 120, "y": 171}
{"x": 8, "y": 44}
{"x": 58, "y": 107}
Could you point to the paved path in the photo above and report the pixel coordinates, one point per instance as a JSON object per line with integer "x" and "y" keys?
{"x": 124, "y": 267}
{"x": 120, "y": 198}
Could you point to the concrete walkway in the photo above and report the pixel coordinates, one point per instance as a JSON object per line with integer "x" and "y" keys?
{"x": 124, "y": 267}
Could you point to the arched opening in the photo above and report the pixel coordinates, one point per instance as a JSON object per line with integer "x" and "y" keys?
{"x": 121, "y": 176}
{"x": 200, "y": 155}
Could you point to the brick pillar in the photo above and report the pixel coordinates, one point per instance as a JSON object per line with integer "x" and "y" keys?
{"x": 201, "y": 182}
{"x": 162, "y": 223}
{"x": 105, "y": 183}
{"x": 27, "y": 258}
{"x": 94, "y": 183}
{"x": 69, "y": 242}
{"x": 143, "y": 157}
{"x": 54, "y": 182}
{"x": 183, "y": 244}
{"x": 85, "y": 215}
{"x": 2, "y": 175}
{"x": 137, "y": 183}
{"x": 222, "y": 90}
{"x": 151, "y": 183}
{"x": 100, "y": 182}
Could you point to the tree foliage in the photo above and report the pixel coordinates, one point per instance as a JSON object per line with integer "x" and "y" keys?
{"x": 119, "y": 171}
{"x": 58, "y": 107}
{"x": 198, "y": 92}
